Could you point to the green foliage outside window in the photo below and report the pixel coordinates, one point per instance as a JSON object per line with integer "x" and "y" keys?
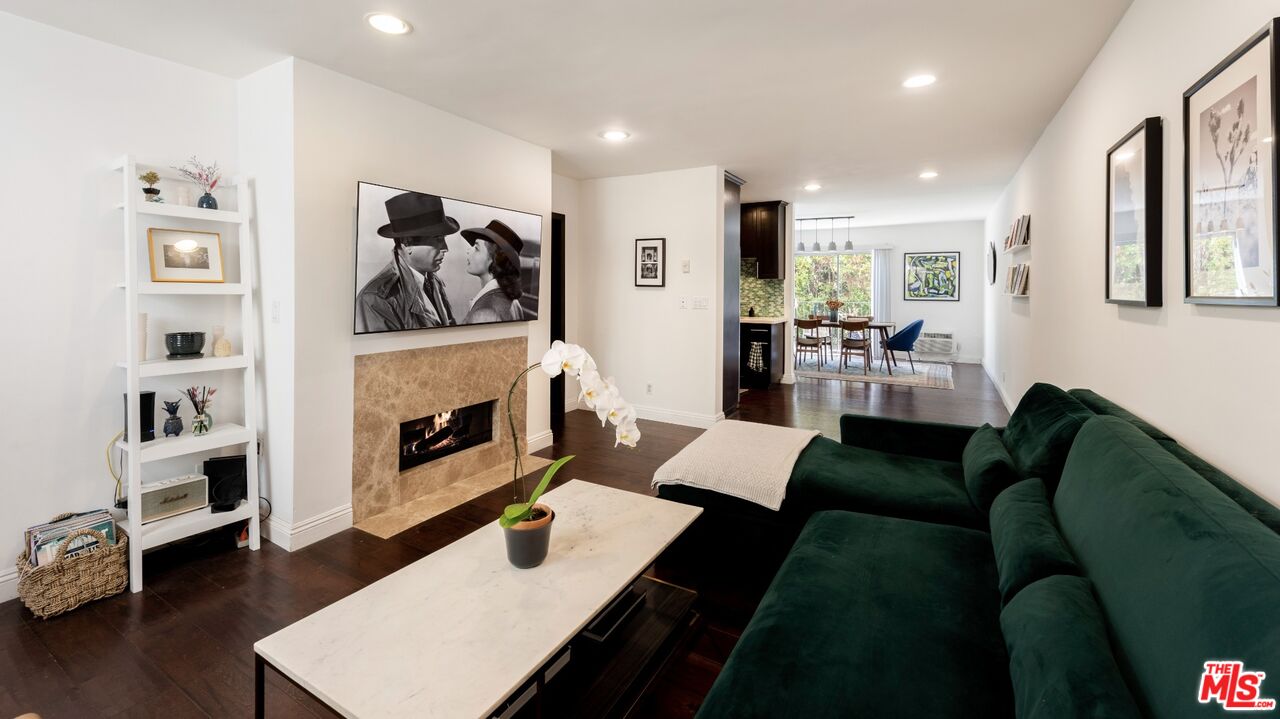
{"x": 843, "y": 277}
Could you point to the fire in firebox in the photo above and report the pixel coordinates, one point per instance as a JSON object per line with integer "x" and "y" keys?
{"x": 440, "y": 435}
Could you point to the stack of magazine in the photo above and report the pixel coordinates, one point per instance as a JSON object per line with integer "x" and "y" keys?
{"x": 43, "y": 539}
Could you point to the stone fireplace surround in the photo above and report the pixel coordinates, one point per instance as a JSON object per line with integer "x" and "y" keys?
{"x": 392, "y": 387}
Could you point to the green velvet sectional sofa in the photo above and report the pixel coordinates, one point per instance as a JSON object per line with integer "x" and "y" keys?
{"x": 1077, "y": 563}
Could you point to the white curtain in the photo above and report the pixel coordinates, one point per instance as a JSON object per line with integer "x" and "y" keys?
{"x": 881, "y": 285}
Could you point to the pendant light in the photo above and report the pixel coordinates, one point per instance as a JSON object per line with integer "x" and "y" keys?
{"x": 831, "y": 244}
{"x": 848, "y": 234}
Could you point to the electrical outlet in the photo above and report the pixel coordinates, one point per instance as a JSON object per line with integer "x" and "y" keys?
{"x": 275, "y": 312}
{"x": 684, "y": 303}
{"x": 648, "y": 388}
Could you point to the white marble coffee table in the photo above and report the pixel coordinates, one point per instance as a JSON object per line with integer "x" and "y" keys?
{"x": 457, "y": 632}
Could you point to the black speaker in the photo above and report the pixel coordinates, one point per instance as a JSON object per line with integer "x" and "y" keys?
{"x": 146, "y": 415}
{"x": 228, "y": 482}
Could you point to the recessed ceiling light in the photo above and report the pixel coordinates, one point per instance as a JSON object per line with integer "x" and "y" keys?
{"x": 813, "y": 187}
{"x": 919, "y": 81}
{"x": 615, "y": 135}
{"x": 390, "y": 24}
{"x": 928, "y": 175}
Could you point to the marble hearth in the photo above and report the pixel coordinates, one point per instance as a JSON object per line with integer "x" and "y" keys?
{"x": 396, "y": 387}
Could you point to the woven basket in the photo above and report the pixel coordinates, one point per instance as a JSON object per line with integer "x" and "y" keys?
{"x": 67, "y": 582}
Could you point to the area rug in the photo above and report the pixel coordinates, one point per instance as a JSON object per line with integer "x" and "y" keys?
{"x": 395, "y": 521}
{"x": 934, "y": 375}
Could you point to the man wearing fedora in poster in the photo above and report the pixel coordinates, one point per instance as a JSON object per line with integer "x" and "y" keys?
{"x": 407, "y": 294}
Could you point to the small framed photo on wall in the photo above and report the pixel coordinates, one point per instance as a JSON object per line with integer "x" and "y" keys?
{"x": 651, "y": 262}
{"x": 1135, "y": 213}
{"x": 1229, "y": 178}
{"x": 184, "y": 255}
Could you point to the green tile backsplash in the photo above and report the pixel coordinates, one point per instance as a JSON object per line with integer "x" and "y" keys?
{"x": 767, "y": 296}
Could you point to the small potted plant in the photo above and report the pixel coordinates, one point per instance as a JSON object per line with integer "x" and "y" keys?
{"x": 150, "y": 177}
{"x": 172, "y": 423}
{"x": 205, "y": 177}
{"x": 526, "y": 523}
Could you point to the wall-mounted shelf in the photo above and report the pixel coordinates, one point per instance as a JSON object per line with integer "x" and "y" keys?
{"x": 165, "y": 367}
{"x": 1016, "y": 249}
{"x": 223, "y": 433}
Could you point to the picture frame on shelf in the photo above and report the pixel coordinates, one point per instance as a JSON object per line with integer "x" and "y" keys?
{"x": 1135, "y": 217}
{"x": 1229, "y": 178}
{"x": 931, "y": 276}
{"x": 185, "y": 255}
{"x": 651, "y": 262}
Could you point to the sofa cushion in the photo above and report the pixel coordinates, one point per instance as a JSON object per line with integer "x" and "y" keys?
{"x": 1183, "y": 574}
{"x": 872, "y": 616}
{"x": 1041, "y": 430}
{"x": 1101, "y": 405}
{"x": 1266, "y": 512}
{"x": 831, "y": 475}
{"x": 1027, "y": 544}
{"x": 1059, "y": 658}
{"x": 988, "y": 468}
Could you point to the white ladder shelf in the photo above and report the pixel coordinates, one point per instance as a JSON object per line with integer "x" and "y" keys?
{"x": 223, "y": 434}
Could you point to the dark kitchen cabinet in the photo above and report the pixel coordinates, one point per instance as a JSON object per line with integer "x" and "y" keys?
{"x": 764, "y": 237}
{"x": 770, "y": 365}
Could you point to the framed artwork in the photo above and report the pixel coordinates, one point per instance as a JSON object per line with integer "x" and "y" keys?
{"x": 1135, "y": 227}
{"x": 424, "y": 261}
{"x": 184, "y": 255}
{"x": 1230, "y": 160}
{"x": 651, "y": 262}
{"x": 931, "y": 276}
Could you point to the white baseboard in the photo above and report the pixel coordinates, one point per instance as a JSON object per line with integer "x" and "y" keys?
{"x": 672, "y": 416}
{"x": 999, "y": 388}
{"x": 570, "y": 406}
{"x": 8, "y": 584}
{"x": 788, "y": 377}
{"x": 309, "y": 531}
{"x": 538, "y": 441}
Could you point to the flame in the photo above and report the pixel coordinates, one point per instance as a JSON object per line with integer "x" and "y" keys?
{"x": 441, "y": 420}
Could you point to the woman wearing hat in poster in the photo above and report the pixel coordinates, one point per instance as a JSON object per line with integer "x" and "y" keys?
{"x": 407, "y": 294}
{"x": 495, "y": 259}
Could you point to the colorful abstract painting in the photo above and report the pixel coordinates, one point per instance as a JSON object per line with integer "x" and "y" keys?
{"x": 932, "y": 276}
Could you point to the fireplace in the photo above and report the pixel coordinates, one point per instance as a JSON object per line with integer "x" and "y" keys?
{"x": 440, "y": 435}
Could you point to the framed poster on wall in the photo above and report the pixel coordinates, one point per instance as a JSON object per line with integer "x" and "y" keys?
{"x": 651, "y": 262}
{"x": 1135, "y": 230}
{"x": 931, "y": 276}
{"x": 1229, "y": 179}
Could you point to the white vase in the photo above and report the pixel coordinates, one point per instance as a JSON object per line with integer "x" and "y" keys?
{"x": 221, "y": 345}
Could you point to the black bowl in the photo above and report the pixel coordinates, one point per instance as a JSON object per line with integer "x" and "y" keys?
{"x": 184, "y": 343}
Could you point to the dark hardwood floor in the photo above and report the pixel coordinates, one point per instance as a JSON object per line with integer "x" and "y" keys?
{"x": 182, "y": 647}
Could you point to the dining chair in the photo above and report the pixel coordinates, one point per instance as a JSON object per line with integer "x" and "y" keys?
{"x": 808, "y": 342}
{"x": 852, "y": 345}
{"x": 903, "y": 341}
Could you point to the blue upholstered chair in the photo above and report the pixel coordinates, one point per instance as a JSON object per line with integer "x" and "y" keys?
{"x": 904, "y": 340}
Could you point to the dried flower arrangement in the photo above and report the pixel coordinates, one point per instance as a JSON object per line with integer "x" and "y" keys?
{"x": 204, "y": 176}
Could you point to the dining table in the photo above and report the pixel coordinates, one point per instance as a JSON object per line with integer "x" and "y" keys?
{"x": 881, "y": 328}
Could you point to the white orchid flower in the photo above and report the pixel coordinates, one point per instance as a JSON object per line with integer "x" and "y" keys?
{"x": 563, "y": 357}
{"x": 609, "y": 398}
{"x": 621, "y": 413}
{"x": 593, "y": 387}
{"x": 627, "y": 434}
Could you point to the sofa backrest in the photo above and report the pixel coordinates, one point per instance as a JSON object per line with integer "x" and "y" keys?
{"x": 1184, "y": 575}
{"x": 1040, "y": 432}
{"x": 1101, "y": 405}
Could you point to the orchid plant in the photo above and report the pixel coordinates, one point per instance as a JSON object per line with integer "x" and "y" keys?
{"x": 597, "y": 393}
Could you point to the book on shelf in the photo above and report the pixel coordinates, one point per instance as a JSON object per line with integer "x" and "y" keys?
{"x": 1018, "y": 280}
{"x": 42, "y": 540}
{"x": 1019, "y": 233}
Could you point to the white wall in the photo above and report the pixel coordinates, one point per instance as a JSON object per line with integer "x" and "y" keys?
{"x": 639, "y": 335}
{"x": 347, "y": 130}
{"x": 1201, "y": 373}
{"x": 565, "y": 199}
{"x": 964, "y": 317}
{"x": 72, "y": 106}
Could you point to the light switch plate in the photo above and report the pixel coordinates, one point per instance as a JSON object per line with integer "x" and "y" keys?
{"x": 701, "y": 303}
{"x": 684, "y": 266}
{"x": 684, "y": 303}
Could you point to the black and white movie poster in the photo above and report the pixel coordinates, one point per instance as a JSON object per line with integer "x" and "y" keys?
{"x": 425, "y": 261}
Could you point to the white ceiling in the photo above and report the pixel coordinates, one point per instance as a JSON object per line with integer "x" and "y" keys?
{"x": 781, "y": 94}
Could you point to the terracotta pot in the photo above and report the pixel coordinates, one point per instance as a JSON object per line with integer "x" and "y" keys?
{"x": 527, "y": 541}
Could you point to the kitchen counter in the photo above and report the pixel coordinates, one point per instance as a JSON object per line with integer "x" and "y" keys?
{"x": 764, "y": 320}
